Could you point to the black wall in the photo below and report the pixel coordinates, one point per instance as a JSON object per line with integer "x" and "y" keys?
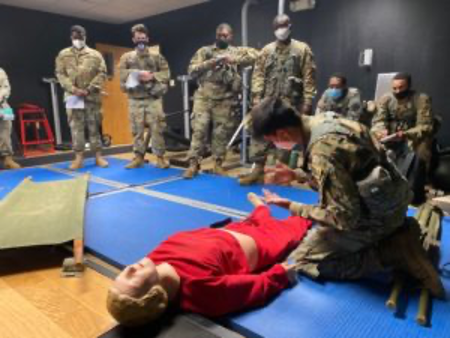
{"x": 29, "y": 44}
{"x": 406, "y": 35}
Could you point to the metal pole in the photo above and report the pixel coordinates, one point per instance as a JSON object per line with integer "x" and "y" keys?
{"x": 55, "y": 108}
{"x": 245, "y": 106}
{"x": 281, "y": 6}
{"x": 244, "y": 19}
{"x": 184, "y": 79}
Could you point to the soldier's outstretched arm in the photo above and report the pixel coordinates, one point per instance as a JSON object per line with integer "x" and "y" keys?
{"x": 339, "y": 197}
{"x": 5, "y": 88}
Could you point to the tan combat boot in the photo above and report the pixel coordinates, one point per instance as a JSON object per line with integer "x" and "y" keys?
{"x": 403, "y": 251}
{"x": 137, "y": 162}
{"x": 254, "y": 177}
{"x": 218, "y": 169}
{"x": 78, "y": 162}
{"x": 9, "y": 163}
{"x": 162, "y": 163}
{"x": 193, "y": 169}
{"x": 100, "y": 161}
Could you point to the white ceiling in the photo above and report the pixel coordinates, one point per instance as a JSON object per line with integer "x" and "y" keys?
{"x": 109, "y": 11}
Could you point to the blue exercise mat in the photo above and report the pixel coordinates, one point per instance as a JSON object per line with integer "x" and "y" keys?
{"x": 126, "y": 226}
{"x": 347, "y": 309}
{"x": 117, "y": 172}
{"x": 226, "y": 191}
{"x": 9, "y": 179}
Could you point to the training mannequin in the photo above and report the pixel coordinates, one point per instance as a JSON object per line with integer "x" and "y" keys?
{"x": 210, "y": 271}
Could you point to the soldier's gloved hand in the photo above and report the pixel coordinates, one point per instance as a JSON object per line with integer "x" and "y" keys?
{"x": 307, "y": 109}
{"x": 280, "y": 174}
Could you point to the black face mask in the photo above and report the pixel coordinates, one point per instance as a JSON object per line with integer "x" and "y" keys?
{"x": 402, "y": 95}
{"x": 221, "y": 44}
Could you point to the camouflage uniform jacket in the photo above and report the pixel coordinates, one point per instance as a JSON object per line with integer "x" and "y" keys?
{"x": 336, "y": 162}
{"x": 84, "y": 69}
{"x": 145, "y": 61}
{"x": 219, "y": 81}
{"x": 5, "y": 89}
{"x": 412, "y": 115}
{"x": 286, "y": 71}
{"x": 349, "y": 106}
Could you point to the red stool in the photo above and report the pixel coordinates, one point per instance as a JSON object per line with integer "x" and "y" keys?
{"x": 32, "y": 119}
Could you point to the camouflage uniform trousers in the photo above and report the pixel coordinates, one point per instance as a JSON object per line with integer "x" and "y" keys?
{"x": 147, "y": 112}
{"x": 5, "y": 138}
{"x": 90, "y": 117}
{"x": 351, "y": 254}
{"x": 223, "y": 115}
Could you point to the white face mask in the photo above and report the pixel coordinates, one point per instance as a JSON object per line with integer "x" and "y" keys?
{"x": 285, "y": 145}
{"x": 282, "y": 33}
{"x": 78, "y": 44}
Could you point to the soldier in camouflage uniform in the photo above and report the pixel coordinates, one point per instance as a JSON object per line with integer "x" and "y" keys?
{"x": 81, "y": 71}
{"x": 145, "y": 100}
{"x": 6, "y": 151}
{"x": 361, "y": 225}
{"x": 341, "y": 99}
{"x": 285, "y": 69}
{"x": 406, "y": 114}
{"x": 217, "y": 70}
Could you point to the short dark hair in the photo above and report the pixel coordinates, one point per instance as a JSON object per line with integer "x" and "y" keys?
{"x": 271, "y": 115}
{"x": 78, "y": 29}
{"x": 403, "y": 76}
{"x": 281, "y": 18}
{"x": 223, "y": 26}
{"x": 139, "y": 28}
{"x": 341, "y": 77}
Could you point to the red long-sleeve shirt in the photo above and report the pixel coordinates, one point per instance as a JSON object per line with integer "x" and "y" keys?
{"x": 213, "y": 269}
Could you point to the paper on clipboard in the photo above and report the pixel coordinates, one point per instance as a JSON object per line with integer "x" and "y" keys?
{"x": 75, "y": 102}
{"x": 133, "y": 79}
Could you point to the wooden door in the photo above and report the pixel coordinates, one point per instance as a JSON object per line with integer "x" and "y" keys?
{"x": 114, "y": 101}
